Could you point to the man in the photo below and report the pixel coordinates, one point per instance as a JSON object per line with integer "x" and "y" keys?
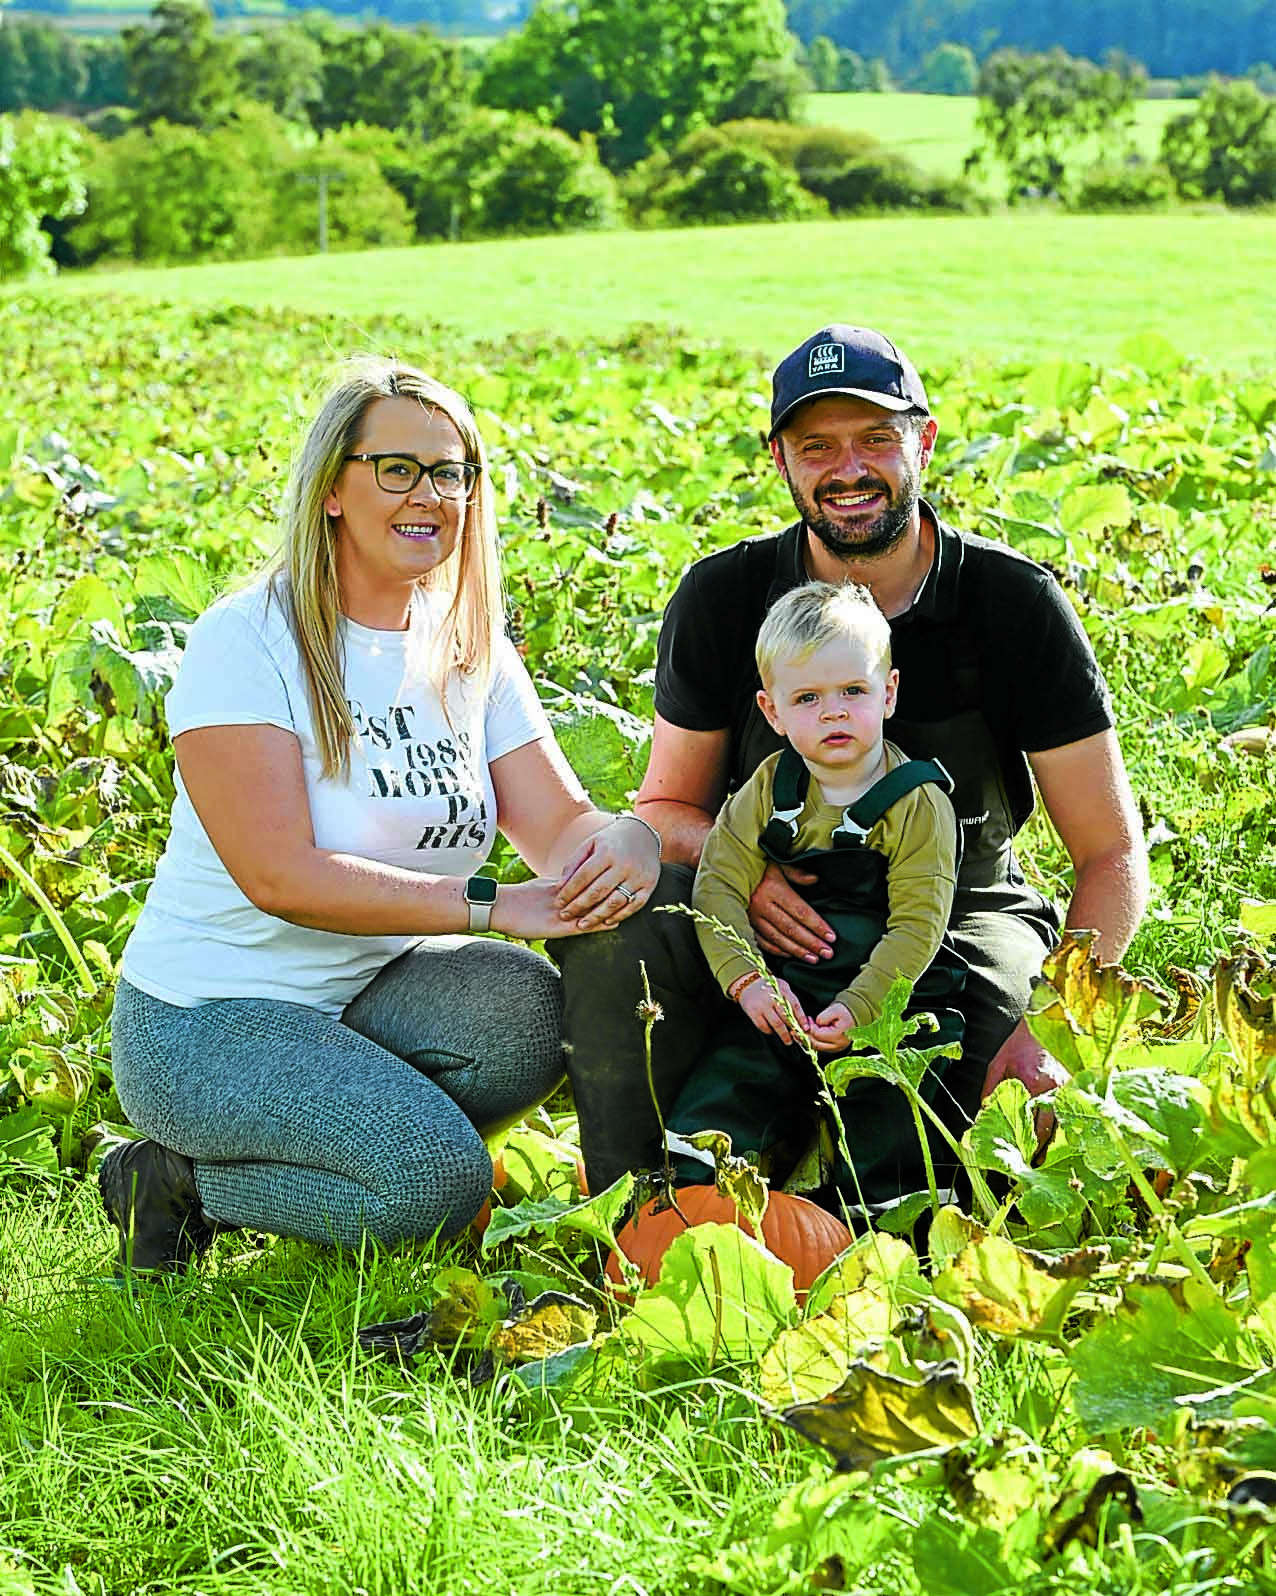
{"x": 996, "y": 680}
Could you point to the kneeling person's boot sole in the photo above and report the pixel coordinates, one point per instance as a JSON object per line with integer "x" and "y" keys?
{"x": 150, "y": 1195}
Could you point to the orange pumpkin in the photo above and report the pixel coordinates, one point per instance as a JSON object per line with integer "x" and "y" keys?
{"x": 483, "y": 1218}
{"x": 799, "y": 1233}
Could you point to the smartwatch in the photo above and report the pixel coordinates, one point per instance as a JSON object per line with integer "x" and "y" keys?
{"x": 480, "y": 894}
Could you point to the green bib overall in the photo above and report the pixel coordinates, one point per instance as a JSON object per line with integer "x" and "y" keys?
{"x": 761, "y": 1091}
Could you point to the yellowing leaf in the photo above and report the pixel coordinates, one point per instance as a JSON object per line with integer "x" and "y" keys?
{"x": 1081, "y": 1011}
{"x": 814, "y": 1358}
{"x": 874, "y": 1415}
{"x": 1010, "y": 1292}
{"x": 550, "y": 1324}
{"x": 1245, "y": 994}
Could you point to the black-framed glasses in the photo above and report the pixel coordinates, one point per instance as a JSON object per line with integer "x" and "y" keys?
{"x": 400, "y": 473}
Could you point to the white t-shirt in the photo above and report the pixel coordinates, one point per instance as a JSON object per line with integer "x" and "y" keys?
{"x": 418, "y": 794}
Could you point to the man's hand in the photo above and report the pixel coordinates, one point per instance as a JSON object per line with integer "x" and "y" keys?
{"x": 760, "y": 1002}
{"x": 784, "y": 921}
{"x": 1022, "y": 1058}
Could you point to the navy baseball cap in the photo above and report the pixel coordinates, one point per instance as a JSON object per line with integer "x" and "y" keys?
{"x": 851, "y": 360}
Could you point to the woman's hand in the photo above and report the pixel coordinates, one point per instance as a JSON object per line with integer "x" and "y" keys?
{"x": 610, "y": 876}
{"x": 529, "y": 909}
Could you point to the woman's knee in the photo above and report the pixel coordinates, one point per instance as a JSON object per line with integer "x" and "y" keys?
{"x": 436, "y": 1190}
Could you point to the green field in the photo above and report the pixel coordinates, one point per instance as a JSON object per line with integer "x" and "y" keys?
{"x": 1022, "y": 285}
{"x": 938, "y": 130}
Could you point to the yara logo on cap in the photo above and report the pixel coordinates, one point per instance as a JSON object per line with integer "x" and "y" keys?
{"x": 826, "y": 358}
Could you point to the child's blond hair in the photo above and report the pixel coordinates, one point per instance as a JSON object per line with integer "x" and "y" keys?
{"x": 808, "y": 617}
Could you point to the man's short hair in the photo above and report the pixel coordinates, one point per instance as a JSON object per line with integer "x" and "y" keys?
{"x": 808, "y": 617}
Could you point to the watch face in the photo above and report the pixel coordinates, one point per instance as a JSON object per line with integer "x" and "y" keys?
{"x": 480, "y": 889}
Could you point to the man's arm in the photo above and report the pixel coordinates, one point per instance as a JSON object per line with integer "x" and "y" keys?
{"x": 1087, "y": 796}
{"x": 683, "y": 789}
{"x": 680, "y": 796}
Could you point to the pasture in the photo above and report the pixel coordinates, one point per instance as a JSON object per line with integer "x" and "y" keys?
{"x": 1022, "y": 285}
{"x": 937, "y": 131}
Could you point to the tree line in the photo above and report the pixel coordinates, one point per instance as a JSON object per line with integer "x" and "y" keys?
{"x": 655, "y": 112}
{"x": 1171, "y": 38}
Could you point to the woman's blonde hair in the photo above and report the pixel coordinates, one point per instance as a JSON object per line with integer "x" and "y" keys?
{"x": 807, "y": 617}
{"x": 304, "y": 575}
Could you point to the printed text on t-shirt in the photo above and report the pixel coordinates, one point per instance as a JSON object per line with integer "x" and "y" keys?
{"x": 401, "y": 766}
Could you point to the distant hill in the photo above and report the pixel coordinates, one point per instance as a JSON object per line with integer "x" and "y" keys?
{"x": 449, "y": 16}
{"x": 1171, "y": 38}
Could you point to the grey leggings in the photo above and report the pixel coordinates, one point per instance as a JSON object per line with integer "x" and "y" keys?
{"x": 304, "y": 1125}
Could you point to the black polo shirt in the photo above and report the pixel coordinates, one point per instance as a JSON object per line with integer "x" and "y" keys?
{"x": 989, "y": 629}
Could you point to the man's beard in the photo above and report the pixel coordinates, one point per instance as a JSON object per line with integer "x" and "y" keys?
{"x": 868, "y": 541}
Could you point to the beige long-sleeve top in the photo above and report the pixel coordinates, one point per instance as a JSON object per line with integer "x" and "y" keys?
{"x": 918, "y": 837}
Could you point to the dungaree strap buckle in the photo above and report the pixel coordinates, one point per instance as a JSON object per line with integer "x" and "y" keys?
{"x": 788, "y": 817}
{"x": 849, "y": 828}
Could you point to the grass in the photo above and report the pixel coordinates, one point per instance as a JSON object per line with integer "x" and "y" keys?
{"x": 1023, "y": 285}
{"x": 225, "y": 1434}
{"x": 938, "y": 130}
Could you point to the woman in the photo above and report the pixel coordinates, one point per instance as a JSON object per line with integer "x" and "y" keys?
{"x": 313, "y": 1048}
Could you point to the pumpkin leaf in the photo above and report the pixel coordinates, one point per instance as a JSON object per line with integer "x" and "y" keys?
{"x": 1166, "y": 1349}
{"x": 25, "y": 1144}
{"x": 54, "y": 1082}
{"x": 814, "y": 1358}
{"x": 879, "y": 1050}
{"x": 874, "y": 1415}
{"x": 1081, "y": 1011}
{"x": 1011, "y": 1292}
{"x": 551, "y": 1324}
{"x": 884, "y": 1263}
{"x": 539, "y": 1165}
{"x": 734, "y": 1177}
{"x": 721, "y": 1297}
{"x": 1245, "y": 995}
{"x": 560, "y": 1220}
{"x": 558, "y": 1372}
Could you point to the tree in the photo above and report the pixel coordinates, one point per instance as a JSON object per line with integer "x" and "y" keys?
{"x": 502, "y": 172}
{"x": 40, "y": 161}
{"x": 822, "y": 64}
{"x": 637, "y": 74}
{"x": 1225, "y": 148}
{"x": 41, "y": 67}
{"x": 179, "y": 71}
{"x": 948, "y": 69}
{"x": 392, "y": 78}
{"x": 284, "y": 70}
{"x": 1035, "y": 110}
{"x": 106, "y": 63}
{"x": 15, "y": 69}
{"x": 248, "y": 187}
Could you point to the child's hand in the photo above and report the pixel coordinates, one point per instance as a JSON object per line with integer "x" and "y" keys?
{"x": 761, "y": 1002}
{"x": 830, "y": 1030}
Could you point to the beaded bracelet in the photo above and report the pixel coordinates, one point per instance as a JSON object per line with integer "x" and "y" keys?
{"x": 741, "y": 982}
